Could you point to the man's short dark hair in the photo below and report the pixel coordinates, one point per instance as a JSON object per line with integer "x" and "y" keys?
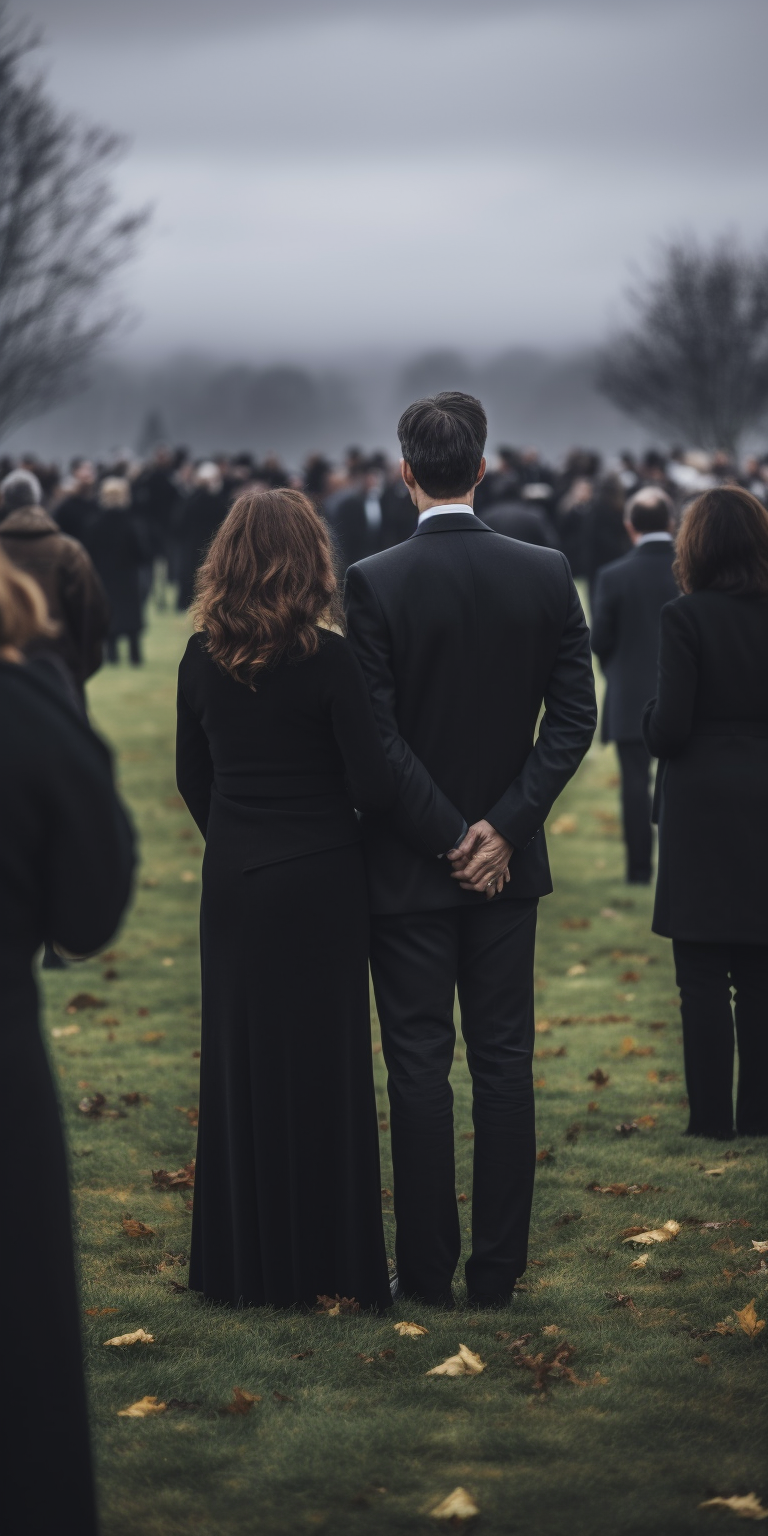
{"x": 650, "y": 510}
{"x": 443, "y": 439}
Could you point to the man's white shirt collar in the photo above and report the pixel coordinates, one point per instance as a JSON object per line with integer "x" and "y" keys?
{"x": 453, "y": 506}
{"x": 653, "y": 538}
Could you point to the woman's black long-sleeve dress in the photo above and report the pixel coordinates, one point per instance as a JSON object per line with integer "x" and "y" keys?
{"x": 287, "y": 1186}
{"x": 66, "y": 856}
{"x": 709, "y": 727}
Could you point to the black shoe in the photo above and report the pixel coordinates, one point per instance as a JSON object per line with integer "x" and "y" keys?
{"x": 444, "y": 1300}
{"x": 490, "y": 1303}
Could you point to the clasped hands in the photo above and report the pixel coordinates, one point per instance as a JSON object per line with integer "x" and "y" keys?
{"x": 481, "y": 861}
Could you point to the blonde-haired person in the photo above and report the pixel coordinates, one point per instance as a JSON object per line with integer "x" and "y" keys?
{"x": 277, "y": 744}
{"x": 66, "y": 858}
{"x": 119, "y": 550}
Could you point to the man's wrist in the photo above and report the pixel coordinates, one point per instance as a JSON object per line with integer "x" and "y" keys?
{"x": 457, "y": 843}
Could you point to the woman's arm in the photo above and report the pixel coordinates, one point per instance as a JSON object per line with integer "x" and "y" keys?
{"x": 194, "y": 768}
{"x": 354, "y": 725}
{"x": 668, "y": 722}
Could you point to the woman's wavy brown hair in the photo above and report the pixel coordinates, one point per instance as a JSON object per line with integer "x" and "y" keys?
{"x": 723, "y": 543}
{"x": 266, "y": 584}
{"x": 23, "y": 609}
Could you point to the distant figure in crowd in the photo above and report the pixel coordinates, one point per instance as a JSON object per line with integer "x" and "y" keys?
{"x": 626, "y": 616}
{"x": 374, "y": 517}
{"x": 462, "y": 635}
{"x": 522, "y": 520}
{"x": 199, "y": 518}
{"x": 66, "y": 858}
{"x": 709, "y": 725}
{"x": 277, "y": 744}
{"x": 605, "y": 536}
{"x": 119, "y": 553}
{"x": 75, "y": 597}
{"x": 78, "y": 510}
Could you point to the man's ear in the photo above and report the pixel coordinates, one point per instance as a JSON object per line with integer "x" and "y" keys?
{"x": 409, "y": 478}
{"x": 481, "y": 471}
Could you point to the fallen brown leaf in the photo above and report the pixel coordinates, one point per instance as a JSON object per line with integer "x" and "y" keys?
{"x": 548, "y": 1054}
{"x": 83, "y": 1000}
{"x": 566, "y": 1217}
{"x": 176, "y": 1288}
{"x": 410, "y": 1330}
{"x": 280, "y": 1397}
{"x": 546, "y": 1155}
{"x": 136, "y": 1229}
{"x": 579, "y": 969}
{"x": 629, "y": 1047}
{"x": 598, "y": 1077}
{"x": 462, "y": 1199}
{"x": 542, "y": 1367}
{"x": 539, "y": 1082}
{"x": 663, "y": 1234}
{"x": 748, "y": 1320}
{"x": 142, "y": 1013}
{"x": 152, "y": 1037}
{"x": 458, "y": 1506}
{"x": 639, "y": 1263}
{"x": 100, "y": 1311}
{"x": 303, "y": 1355}
{"x": 575, "y": 922}
{"x": 563, "y": 824}
{"x": 619, "y": 1299}
{"x": 192, "y": 1114}
{"x": 573, "y": 1132}
{"x": 465, "y": 1363}
{"x": 671, "y": 1274}
{"x": 139, "y": 1337}
{"x": 551, "y": 1330}
{"x": 242, "y": 1402}
{"x": 182, "y": 1178}
{"x": 746, "y": 1505}
{"x": 93, "y": 1106}
{"x": 703, "y": 1359}
{"x": 143, "y": 1409}
{"x": 133, "y": 1098}
{"x": 619, "y": 1189}
{"x": 336, "y": 1306}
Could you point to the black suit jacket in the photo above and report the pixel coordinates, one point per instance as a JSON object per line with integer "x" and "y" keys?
{"x": 518, "y": 521}
{"x": 629, "y": 596}
{"x": 462, "y": 635}
{"x": 354, "y": 537}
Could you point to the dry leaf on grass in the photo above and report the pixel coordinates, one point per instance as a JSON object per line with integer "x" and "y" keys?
{"x": 336, "y": 1306}
{"x": 556, "y": 1365}
{"x": 551, "y": 1330}
{"x": 100, "y": 1311}
{"x": 703, "y": 1359}
{"x": 458, "y": 1506}
{"x": 748, "y": 1320}
{"x": 563, "y": 824}
{"x": 143, "y": 1409}
{"x": 746, "y": 1505}
{"x": 182, "y": 1178}
{"x": 598, "y": 1077}
{"x": 543, "y": 1027}
{"x": 579, "y": 969}
{"x": 618, "y": 1189}
{"x": 133, "y": 1098}
{"x": 83, "y": 1000}
{"x": 760, "y": 1247}
{"x": 136, "y": 1229}
{"x": 93, "y": 1106}
{"x": 139, "y": 1337}
{"x": 192, "y": 1113}
{"x": 242, "y": 1402}
{"x": 303, "y": 1355}
{"x": 465, "y": 1363}
{"x": 539, "y": 1082}
{"x": 65, "y": 1031}
{"x": 548, "y": 1054}
{"x": 566, "y": 1217}
{"x": 639, "y": 1263}
{"x": 619, "y": 1299}
{"x": 280, "y": 1397}
{"x": 546, "y": 1155}
{"x": 663, "y": 1234}
{"x": 152, "y": 1037}
{"x": 671, "y": 1274}
{"x": 629, "y": 1047}
{"x": 575, "y": 922}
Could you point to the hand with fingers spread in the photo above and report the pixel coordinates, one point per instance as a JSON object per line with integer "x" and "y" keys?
{"x": 481, "y": 861}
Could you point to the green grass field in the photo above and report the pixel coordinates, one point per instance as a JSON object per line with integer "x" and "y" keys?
{"x": 350, "y": 1434}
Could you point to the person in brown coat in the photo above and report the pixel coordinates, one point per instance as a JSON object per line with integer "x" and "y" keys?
{"x": 77, "y": 602}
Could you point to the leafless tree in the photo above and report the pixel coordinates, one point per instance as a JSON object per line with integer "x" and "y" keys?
{"x": 60, "y": 237}
{"x": 696, "y": 361}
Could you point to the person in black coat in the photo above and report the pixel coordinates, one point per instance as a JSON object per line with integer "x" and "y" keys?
{"x": 198, "y": 519}
{"x": 119, "y": 552}
{"x": 66, "y": 857}
{"x": 605, "y": 536}
{"x": 462, "y": 635}
{"x": 277, "y": 744}
{"x": 518, "y": 520}
{"x": 709, "y": 726}
{"x": 626, "y": 614}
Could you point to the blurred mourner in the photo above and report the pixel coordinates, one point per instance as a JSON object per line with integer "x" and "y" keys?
{"x": 629, "y": 596}
{"x": 75, "y": 597}
{"x": 119, "y": 552}
{"x": 78, "y": 509}
{"x": 66, "y": 858}
{"x": 375, "y": 516}
{"x": 709, "y": 727}
{"x": 199, "y": 517}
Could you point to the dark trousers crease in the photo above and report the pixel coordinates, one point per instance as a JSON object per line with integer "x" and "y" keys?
{"x": 418, "y": 961}
{"x": 705, "y": 975}
{"x": 635, "y": 763}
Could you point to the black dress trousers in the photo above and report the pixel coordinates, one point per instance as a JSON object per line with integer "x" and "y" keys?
{"x": 635, "y": 763}
{"x": 705, "y": 975}
{"x": 489, "y": 951}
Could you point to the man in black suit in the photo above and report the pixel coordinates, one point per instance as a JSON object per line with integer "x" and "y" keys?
{"x": 462, "y": 635}
{"x": 629, "y": 596}
{"x": 373, "y": 517}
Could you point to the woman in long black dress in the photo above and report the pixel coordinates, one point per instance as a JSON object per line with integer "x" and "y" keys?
{"x": 66, "y": 856}
{"x": 709, "y": 726}
{"x": 276, "y": 746}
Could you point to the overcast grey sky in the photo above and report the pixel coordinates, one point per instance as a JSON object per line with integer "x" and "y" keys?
{"x": 333, "y": 175}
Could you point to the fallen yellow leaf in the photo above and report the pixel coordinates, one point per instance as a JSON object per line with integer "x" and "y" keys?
{"x": 139, "y": 1337}
{"x": 713, "y": 1173}
{"x": 465, "y": 1363}
{"x": 65, "y": 1031}
{"x": 577, "y": 970}
{"x": 563, "y": 824}
{"x": 410, "y": 1330}
{"x": 759, "y": 1246}
{"x": 143, "y": 1409}
{"x": 747, "y": 1505}
{"x": 663, "y": 1234}
{"x": 551, "y": 1330}
{"x": 457, "y": 1506}
{"x": 748, "y": 1320}
{"x": 638, "y": 1263}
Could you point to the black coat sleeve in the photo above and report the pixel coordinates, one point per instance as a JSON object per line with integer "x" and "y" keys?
{"x": 605, "y": 617}
{"x": 565, "y": 732}
{"x": 194, "y": 767}
{"x": 89, "y": 845}
{"x": 370, "y": 780}
{"x": 424, "y": 815}
{"x": 668, "y": 719}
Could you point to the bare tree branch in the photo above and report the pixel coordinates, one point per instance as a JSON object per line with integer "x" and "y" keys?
{"x": 696, "y": 362}
{"x": 60, "y": 237}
